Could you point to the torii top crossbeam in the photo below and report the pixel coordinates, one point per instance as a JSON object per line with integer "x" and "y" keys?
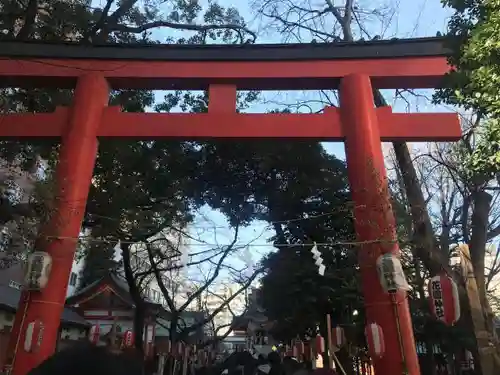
{"x": 410, "y": 63}
{"x": 403, "y": 63}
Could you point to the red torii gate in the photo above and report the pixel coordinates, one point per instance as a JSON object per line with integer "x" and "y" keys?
{"x": 353, "y": 68}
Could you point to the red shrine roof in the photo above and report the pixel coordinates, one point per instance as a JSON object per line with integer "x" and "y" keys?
{"x": 117, "y": 285}
{"x": 393, "y": 48}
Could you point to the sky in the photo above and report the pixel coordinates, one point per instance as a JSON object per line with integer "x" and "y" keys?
{"x": 416, "y": 18}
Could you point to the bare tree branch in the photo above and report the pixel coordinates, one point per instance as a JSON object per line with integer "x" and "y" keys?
{"x": 241, "y": 30}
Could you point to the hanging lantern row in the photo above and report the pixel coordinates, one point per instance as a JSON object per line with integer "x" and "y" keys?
{"x": 299, "y": 348}
{"x": 444, "y": 299}
{"x": 200, "y": 357}
{"x": 375, "y": 339}
{"x": 182, "y": 350}
{"x": 127, "y": 339}
{"x": 179, "y": 350}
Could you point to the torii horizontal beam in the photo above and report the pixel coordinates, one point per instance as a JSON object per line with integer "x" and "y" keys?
{"x": 413, "y": 63}
{"x": 414, "y": 127}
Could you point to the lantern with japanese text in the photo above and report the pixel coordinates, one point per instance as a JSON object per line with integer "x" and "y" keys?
{"x": 39, "y": 266}
{"x": 444, "y": 299}
{"x": 128, "y": 339}
{"x": 375, "y": 339}
{"x": 390, "y": 273}
{"x": 34, "y": 336}
{"x": 338, "y": 337}
{"x": 94, "y": 334}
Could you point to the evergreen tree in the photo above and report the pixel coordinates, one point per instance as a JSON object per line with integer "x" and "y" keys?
{"x": 142, "y": 187}
{"x": 99, "y": 262}
{"x": 474, "y": 81}
{"x": 294, "y": 294}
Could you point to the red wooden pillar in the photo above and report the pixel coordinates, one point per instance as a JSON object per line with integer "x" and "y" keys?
{"x": 374, "y": 223}
{"x": 59, "y": 238}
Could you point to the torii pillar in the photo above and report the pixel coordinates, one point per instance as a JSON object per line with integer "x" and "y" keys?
{"x": 375, "y": 225}
{"x": 73, "y": 178}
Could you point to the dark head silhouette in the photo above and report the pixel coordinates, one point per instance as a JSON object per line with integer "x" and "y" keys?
{"x": 86, "y": 359}
{"x": 274, "y": 358}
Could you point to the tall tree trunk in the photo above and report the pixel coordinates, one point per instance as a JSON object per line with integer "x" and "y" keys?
{"x": 174, "y": 339}
{"x": 477, "y": 245}
{"x": 487, "y": 345}
{"x": 423, "y": 302}
{"x": 135, "y": 293}
{"x": 426, "y": 247}
{"x": 29, "y": 20}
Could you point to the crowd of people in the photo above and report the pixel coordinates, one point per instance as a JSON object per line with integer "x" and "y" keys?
{"x": 88, "y": 359}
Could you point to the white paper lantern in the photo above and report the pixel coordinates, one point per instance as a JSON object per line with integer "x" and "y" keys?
{"x": 391, "y": 274}
{"x": 338, "y": 337}
{"x": 375, "y": 339}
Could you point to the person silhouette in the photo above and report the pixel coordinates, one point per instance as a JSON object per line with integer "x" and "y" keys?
{"x": 88, "y": 359}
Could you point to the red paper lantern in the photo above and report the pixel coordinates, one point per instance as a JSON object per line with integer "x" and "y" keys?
{"x": 338, "y": 337}
{"x": 128, "y": 339}
{"x": 375, "y": 339}
{"x": 94, "y": 334}
{"x": 444, "y": 299}
{"x": 320, "y": 344}
{"x": 307, "y": 351}
{"x": 299, "y": 348}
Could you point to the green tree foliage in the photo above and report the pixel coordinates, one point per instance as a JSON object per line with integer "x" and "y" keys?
{"x": 99, "y": 261}
{"x": 294, "y": 295}
{"x": 474, "y": 82}
{"x": 138, "y": 186}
